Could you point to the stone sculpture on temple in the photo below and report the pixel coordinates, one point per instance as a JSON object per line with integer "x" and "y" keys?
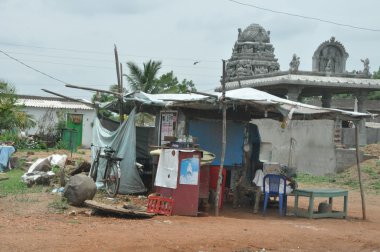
{"x": 294, "y": 64}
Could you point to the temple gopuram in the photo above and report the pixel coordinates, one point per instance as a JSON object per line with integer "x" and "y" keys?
{"x": 253, "y": 64}
{"x": 252, "y": 55}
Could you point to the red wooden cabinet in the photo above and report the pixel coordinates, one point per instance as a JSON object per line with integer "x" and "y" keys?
{"x": 186, "y": 193}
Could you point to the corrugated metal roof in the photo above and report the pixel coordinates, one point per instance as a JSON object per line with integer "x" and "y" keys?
{"x": 40, "y": 102}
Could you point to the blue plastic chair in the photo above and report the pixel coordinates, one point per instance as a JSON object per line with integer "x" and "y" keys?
{"x": 274, "y": 182}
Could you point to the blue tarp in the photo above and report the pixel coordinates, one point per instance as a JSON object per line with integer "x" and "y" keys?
{"x": 123, "y": 140}
{"x": 209, "y": 134}
{"x": 5, "y": 154}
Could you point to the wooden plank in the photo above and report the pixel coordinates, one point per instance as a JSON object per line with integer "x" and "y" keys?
{"x": 3, "y": 176}
{"x": 117, "y": 209}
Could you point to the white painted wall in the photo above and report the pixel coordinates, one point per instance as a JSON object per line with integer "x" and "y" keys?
{"x": 88, "y": 119}
{"x": 314, "y": 149}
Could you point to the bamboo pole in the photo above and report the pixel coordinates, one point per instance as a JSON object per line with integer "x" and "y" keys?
{"x": 93, "y": 89}
{"x": 359, "y": 171}
{"x": 68, "y": 98}
{"x": 220, "y": 174}
{"x": 120, "y": 97}
{"x": 121, "y": 91}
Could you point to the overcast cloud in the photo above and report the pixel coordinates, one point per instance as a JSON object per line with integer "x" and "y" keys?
{"x": 175, "y": 32}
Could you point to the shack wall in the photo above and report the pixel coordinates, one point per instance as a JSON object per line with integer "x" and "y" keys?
{"x": 209, "y": 134}
{"x": 314, "y": 149}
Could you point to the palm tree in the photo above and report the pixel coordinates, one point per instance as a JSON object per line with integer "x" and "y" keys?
{"x": 144, "y": 79}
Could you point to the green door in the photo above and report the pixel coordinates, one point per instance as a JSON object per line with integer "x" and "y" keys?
{"x": 75, "y": 121}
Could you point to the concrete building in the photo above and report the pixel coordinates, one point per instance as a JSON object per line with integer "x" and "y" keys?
{"x": 47, "y": 111}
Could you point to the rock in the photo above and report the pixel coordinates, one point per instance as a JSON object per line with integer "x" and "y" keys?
{"x": 38, "y": 178}
{"x": 78, "y": 189}
{"x": 87, "y": 213}
{"x": 42, "y": 165}
{"x": 70, "y": 162}
{"x": 73, "y": 212}
{"x": 324, "y": 207}
{"x": 14, "y": 162}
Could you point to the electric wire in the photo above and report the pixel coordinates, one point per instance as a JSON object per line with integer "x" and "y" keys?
{"x": 107, "y": 53}
{"x": 34, "y": 69}
{"x": 304, "y": 17}
{"x": 99, "y": 60}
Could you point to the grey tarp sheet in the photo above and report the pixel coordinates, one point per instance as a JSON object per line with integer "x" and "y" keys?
{"x": 123, "y": 140}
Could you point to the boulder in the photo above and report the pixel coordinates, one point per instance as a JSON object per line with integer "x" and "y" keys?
{"x": 78, "y": 189}
{"x": 14, "y": 162}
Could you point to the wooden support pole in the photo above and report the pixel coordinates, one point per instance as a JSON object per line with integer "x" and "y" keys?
{"x": 120, "y": 98}
{"x": 359, "y": 170}
{"x": 203, "y": 93}
{"x": 220, "y": 174}
{"x": 68, "y": 98}
{"x": 93, "y": 89}
{"x": 121, "y": 91}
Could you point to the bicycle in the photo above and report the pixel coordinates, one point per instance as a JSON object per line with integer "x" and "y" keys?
{"x": 112, "y": 173}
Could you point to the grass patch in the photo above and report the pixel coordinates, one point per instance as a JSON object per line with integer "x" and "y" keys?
{"x": 59, "y": 205}
{"x": 13, "y": 185}
{"x": 23, "y": 198}
{"x": 313, "y": 179}
{"x": 375, "y": 185}
{"x": 371, "y": 171}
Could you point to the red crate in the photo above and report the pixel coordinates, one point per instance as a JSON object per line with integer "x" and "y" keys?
{"x": 160, "y": 205}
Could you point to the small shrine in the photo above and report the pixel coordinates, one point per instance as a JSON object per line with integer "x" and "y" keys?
{"x": 330, "y": 57}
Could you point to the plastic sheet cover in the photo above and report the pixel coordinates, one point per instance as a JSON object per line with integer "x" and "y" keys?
{"x": 123, "y": 140}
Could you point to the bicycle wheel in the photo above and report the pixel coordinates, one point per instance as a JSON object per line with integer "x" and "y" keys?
{"x": 94, "y": 169}
{"x": 112, "y": 178}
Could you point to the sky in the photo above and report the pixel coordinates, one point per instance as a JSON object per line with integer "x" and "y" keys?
{"x": 73, "y": 40}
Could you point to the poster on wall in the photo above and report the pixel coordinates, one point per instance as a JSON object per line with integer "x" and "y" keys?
{"x": 168, "y": 125}
{"x": 189, "y": 171}
{"x": 167, "y": 170}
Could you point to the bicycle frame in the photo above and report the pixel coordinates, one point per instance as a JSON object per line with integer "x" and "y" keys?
{"x": 112, "y": 173}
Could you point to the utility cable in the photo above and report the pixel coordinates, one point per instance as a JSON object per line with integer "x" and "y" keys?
{"x": 34, "y": 69}
{"x": 107, "y": 53}
{"x": 97, "y": 60}
{"x": 305, "y": 17}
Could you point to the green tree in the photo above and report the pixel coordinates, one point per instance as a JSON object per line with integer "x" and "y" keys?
{"x": 10, "y": 113}
{"x": 144, "y": 79}
{"x": 168, "y": 83}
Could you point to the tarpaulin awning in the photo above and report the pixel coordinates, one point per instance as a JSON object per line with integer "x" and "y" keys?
{"x": 248, "y": 97}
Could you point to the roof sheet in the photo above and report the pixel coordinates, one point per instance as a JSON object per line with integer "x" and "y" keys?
{"x": 242, "y": 96}
{"x": 49, "y": 103}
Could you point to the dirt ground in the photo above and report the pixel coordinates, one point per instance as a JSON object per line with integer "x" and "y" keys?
{"x": 28, "y": 224}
